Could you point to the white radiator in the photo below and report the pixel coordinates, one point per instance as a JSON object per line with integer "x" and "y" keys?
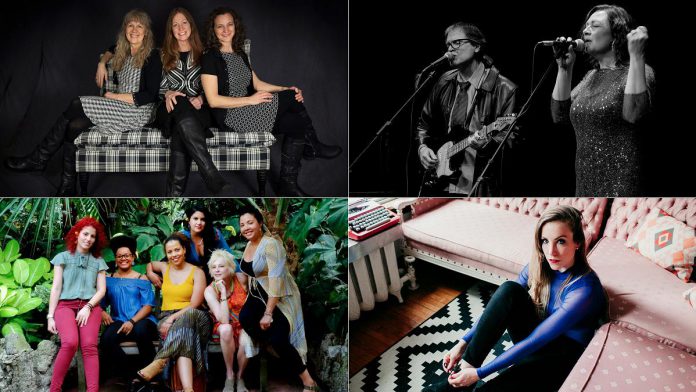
{"x": 373, "y": 277}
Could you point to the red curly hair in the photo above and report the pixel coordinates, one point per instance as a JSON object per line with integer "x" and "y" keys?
{"x": 99, "y": 243}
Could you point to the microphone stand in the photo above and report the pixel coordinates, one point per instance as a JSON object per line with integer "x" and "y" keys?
{"x": 510, "y": 127}
{"x": 389, "y": 122}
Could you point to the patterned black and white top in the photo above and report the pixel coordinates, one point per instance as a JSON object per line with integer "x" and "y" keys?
{"x": 250, "y": 118}
{"x": 185, "y": 77}
{"x": 114, "y": 116}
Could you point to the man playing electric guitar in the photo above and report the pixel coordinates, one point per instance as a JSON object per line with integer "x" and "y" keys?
{"x": 461, "y": 103}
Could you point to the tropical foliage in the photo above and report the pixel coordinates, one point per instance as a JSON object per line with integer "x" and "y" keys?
{"x": 31, "y": 230}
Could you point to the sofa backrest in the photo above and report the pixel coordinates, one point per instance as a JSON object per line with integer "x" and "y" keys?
{"x": 592, "y": 209}
{"x": 627, "y": 213}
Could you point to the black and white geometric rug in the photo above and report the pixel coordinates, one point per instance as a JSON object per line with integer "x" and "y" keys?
{"x": 415, "y": 361}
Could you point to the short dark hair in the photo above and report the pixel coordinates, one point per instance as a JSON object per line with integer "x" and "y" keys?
{"x": 121, "y": 241}
{"x": 473, "y": 33}
{"x": 247, "y": 209}
{"x": 620, "y": 24}
{"x": 179, "y": 237}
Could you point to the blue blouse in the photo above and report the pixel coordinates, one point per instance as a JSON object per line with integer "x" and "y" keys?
{"x": 127, "y": 296}
{"x": 575, "y": 313}
{"x": 194, "y": 258}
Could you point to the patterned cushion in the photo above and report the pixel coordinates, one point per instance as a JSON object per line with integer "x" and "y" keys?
{"x": 690, "y": 296}
{"x": 667, "y": 241}
{"x": 131, "y": 160}
{"x": 152, "y": 138}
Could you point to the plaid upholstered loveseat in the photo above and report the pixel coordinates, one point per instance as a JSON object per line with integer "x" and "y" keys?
{"x": 145, "y": 150}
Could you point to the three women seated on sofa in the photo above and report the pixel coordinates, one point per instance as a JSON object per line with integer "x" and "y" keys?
{"x": 258, "y": 300}
{"x": 183, "y": 90}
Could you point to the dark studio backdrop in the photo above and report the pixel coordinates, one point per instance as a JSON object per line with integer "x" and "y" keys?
{"x": 51, "y": 53}
{"x": 391, "y": 44}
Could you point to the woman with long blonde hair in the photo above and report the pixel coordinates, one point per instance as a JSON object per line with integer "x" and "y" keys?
{"x": 550, "y": 312}
{"x": 138, "y": 68}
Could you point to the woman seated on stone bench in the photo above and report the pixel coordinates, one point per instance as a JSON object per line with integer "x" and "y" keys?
{"x": 139, "y": 70}
{"x": 131, "y": 298}
{"x": 225, "y": 298}
{"x": 185, "y": 329}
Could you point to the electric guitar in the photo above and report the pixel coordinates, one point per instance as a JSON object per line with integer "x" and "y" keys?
{"x": 436, "y": 180}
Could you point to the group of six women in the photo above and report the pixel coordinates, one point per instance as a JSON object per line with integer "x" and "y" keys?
{"x": 253, "y": 302}
{"x": 183, "y": 91}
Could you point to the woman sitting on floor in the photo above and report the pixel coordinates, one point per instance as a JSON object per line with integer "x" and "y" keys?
{"x": 550, "y": 312}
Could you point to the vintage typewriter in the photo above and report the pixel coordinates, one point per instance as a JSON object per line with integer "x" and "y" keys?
{"x": 367, "y": 218}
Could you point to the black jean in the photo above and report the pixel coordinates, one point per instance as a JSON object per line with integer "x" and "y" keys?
{"x": 512, "y": 309}
{"x": 277, "y": 335}
{"x": 144, "y": 333}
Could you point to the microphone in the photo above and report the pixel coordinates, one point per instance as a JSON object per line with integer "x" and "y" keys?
{"x": 445, "y": 57}
{"x": 578, "y": 44}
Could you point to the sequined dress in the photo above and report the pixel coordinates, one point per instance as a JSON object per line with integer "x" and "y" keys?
{"x": 607, "y": 159}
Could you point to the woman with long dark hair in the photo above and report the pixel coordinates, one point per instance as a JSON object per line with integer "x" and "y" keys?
{"x": 241, "y": 102}
{"x": 550, "y": 312}
{"x": 138, "y": 69}
{"x": 79, "y": 284}
{"x": 608, "y": 108}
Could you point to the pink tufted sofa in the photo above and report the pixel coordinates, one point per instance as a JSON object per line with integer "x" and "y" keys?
{"x": 487, "y": 238}
{"x": 650, "y": 342}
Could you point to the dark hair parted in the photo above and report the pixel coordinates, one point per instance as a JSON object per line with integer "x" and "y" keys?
{"x": 473, "y": 33}
{"x": 253, "y": 211}
{"x": 211, "y": 40}
{"x": 620, "y": 24}
{"x": 72, "y": 234}
{"x": 170, "y": 47}
{"x": 208, "y": 234}
{"x": 180, "y": 238}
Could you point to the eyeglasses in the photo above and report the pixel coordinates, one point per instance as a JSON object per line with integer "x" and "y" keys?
{"x": 456, "y": 43}
{"x": 124, "y": 257}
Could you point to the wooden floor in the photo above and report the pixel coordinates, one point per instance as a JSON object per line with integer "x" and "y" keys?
{"x": 377, "y": 330}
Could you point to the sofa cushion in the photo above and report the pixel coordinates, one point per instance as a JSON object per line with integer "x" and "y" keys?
{"x": 500, "y": 238}
{"x": 627, "y": 213}
{"x": 146, "y": 138}
{"x": 619, "y": 359}
{"x": 690, "y": 297}
{"x": 643, "y": 295}
{"x": 668, "y": 242}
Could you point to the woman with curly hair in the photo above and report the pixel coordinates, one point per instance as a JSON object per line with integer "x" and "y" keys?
{"x": 138, "y": 68}
{"x": 609, "y": 106}
{"x": 79, "y": 284}
{"x": 241, "y": 102}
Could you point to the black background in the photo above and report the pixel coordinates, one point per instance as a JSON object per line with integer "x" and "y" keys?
{"x": 389, "y": 46}
{"x": 51, "y": 51}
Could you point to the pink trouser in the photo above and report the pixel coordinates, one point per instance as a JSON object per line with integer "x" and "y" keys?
{"x": 70, "y": 336}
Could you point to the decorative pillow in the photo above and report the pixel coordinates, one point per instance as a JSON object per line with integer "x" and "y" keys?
{"x": 690, "y": 296}
{"x": 667, "y": 241}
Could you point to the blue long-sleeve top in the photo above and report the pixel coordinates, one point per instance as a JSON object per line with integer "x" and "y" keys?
{"x": 194, "y": 258}
{"x": 574, "y": 313}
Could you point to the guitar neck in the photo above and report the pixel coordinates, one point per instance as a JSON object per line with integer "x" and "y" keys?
{"x": 464, "y": 144}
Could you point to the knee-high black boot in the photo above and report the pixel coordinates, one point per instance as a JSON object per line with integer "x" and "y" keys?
{"x": 68, "y": 181}
{"x": 290, "y": 167}
{"x": 193, "y": 136}
{"x": 177, "y": 177}
{"x": 37, "y": 159}
{"x": 313, "y": 147}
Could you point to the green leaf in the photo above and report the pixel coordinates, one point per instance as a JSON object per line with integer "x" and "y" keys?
{"x": 5, "y": 268}
{"x": 21, "y": 271}
{"x": 9, "y": 282}
{"x": 28, "y": 305}
{"x": 45, "y": 263}
{"x": 8, "y": 311}
{"x": 3, "y": 293}
{"x": 10, "y": 328}
{"x": 338, "y": 217}
{"x": 143, "y": 229}
{"x": 140, "y": 268}
{"x": 157, "y": 252}
{"x": 16, "y": 297}
{"x": 36, "y": 270}
{"x": 11, "y": 252}
{"x": 145, "y": 241}
{"x": 325, "y": 247}
{"x": 108, "y": 255}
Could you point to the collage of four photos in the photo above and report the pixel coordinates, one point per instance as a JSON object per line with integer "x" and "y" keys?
{"x": 324, "y": 195}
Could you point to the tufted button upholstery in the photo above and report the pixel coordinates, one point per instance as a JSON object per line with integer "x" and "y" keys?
{"x": 628, "y": 213}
